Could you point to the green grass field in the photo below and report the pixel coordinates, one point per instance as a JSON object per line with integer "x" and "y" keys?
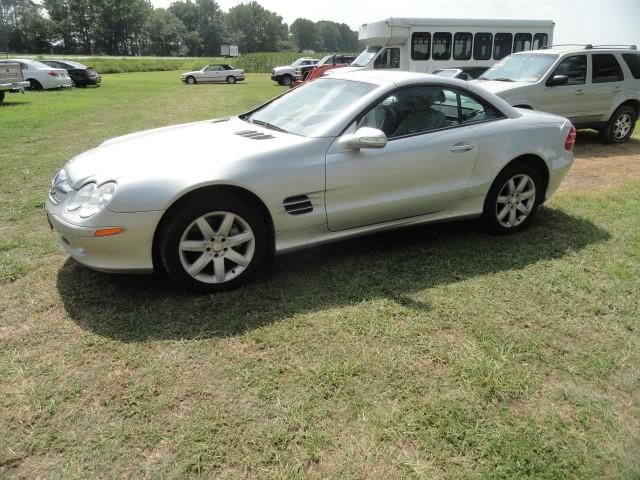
{"x": 436, "y": 352}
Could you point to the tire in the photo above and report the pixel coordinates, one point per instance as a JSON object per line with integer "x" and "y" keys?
{"x": 217, "y": 264}
{"x": 287, "y": 80}
{"x": 1, "y": 96}
{"x": 34, "y": 84}
{"x": 231, "y": 79}
{"x": 191, "y": 80}
{"x": 510, "y": 205}
{"x": 620, "y": 126}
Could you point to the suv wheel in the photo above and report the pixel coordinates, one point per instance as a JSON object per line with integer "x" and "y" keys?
{"x": 620, "y": 126}
{"x": 214, "y": 244}
{"x": 513, "y": 199}
{"x": 287, "y": 80}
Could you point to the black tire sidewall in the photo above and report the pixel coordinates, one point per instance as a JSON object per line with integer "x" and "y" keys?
{"x": 608, "y": 130}
{"x": 183, "y": 217}
{"x": 231, "y": 80}
{"x": 35, "y": 85}
{"x": 1, "y": 96}
{"x": 287, "y": 80}
{"x": 191, "y": 80}
{"x": 489, "y": 218}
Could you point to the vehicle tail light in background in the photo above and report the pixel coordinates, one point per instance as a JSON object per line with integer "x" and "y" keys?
{"x": 51, "y": 73}
{"x": 571, "y": 139}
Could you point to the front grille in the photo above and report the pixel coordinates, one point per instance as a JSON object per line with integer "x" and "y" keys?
{"x": 254, "y": 135}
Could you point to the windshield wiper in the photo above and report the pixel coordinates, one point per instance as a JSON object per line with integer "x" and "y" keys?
{"x": 268, "y": 125}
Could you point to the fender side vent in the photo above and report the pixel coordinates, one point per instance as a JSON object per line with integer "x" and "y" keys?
{"x": 254, "y": 135}
{"x": 298, "y": 205}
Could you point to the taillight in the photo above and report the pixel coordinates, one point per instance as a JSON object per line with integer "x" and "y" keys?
{"x": 52, "y": 73}
{"x": 571, "y": 139}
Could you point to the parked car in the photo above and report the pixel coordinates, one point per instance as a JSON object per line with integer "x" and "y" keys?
{"x": 41, "y": 76}
{"x": 595, "y": 87}
{"x": 284, "y": 75}
{"x": 330, "y": 62}
{"x": 81, "y": 75}
{"x": 466, "y": 73}
{"x": 214, "y": 73}
{"x": 11, "y": 79}
{"x": 342, "y": 156}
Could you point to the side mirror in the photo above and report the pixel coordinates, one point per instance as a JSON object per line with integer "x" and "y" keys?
{"x": 365, "y": 137}
{"x": 558, "y": 81}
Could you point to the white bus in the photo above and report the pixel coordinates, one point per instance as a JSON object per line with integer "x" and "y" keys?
{"x": 428, "y": 44}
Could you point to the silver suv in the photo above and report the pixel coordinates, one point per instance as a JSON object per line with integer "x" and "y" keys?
{"x": 593, "y": 86}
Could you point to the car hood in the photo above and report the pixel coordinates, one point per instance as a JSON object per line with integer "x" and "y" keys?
{"x": 499, "y": 88}
{"x": 191, "y": 73}
{"x": 284, "y": 68}
{"x": 210, "y": 150}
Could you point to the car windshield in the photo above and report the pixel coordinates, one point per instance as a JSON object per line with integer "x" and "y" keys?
{"x": 297, "y": 62}
{"x": 365, "y": 57}
{"x": 308, "y": 109}
{"x": 447, "y": 73}
{"x": 74, "y": 64}
{"x": 327, "y": 59}
{"x": 520, "y": 68}
{"x": 35, "y": 63}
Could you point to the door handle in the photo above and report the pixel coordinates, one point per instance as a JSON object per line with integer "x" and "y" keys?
{"x": 579, "y": 92}
{"x": 461, "y": 147}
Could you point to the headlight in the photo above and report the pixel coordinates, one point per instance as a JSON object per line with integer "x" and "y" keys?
{"x": 90, "y": 199}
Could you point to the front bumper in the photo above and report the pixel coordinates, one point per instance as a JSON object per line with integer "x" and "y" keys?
{"x": 276, "y": 78}
{"x": 15, "y": 87}
{"x": 126, "y": 252}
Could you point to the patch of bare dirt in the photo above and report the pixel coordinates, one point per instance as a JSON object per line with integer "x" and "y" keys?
{"x": 600, "y": 166}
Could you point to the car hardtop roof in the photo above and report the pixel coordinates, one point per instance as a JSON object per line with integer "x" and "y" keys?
{"x": 579, "y": 48}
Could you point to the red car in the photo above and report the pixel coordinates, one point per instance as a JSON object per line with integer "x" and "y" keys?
{"x": 327, "y": 63}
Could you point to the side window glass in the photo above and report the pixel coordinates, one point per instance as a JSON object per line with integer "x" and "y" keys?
{"x": 521, "y": 42}
{"x": 502, "y": 45}
{"x": 462, "y": 46}
{"x": 441, "y": 46}
{"x": 633, "y": 62}
{"x": 420, "y": 46}
{"x": 389, "y": 58}
{"x": 575, "y": 68}
{"x": 413, "y": 110}
{"x": 475, "y": 111}
{"x": 482, "y": 46}
{"x": 606, "y": 68}
{"x": 24, "y": 66}
{"x": 540, "y": 41}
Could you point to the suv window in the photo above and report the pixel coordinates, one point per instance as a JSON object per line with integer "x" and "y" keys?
{"x": 389, "y": 58}
{"x": 482, "y": 46}
{"x": 606, "y": 68}
{"x": 462, "y": 46}
{"x": 540, "y": 41}
{"x": 441, "y": 46}
{"x": 420, "y": 46}
{"x": 502, "y": 45}
{"x": 521, "y": 42}
{"x": 633, "y": 62}
{"x": 574, "y": 67}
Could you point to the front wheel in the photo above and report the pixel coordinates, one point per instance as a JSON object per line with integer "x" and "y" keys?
{"x": 231, "y": 79}
{"x": 214, "y": 244}
{"x": 287, "y": 80}
{"x": 191, "y": 80}
{"x": 620, "y": 126}
{"x": 513, "y": 199}
{"x": 1, "y": 96}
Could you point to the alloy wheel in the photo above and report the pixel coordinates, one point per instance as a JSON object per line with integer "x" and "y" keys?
{"x": 622, "y": 126}
{"x": 217, "y": 247}
{"x": 515, "y": 201}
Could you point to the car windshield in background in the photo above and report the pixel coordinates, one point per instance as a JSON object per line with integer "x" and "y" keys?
{"x": 75, "y": 64}
{"x": 38, "y": 64}
{"x": 365, "y": 57}
{"x": 520, "y": 68}
{"x": 447, "y": 73}
{"x": 308, "y": 109}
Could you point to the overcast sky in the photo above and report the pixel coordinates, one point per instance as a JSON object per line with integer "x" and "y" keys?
{"x": 577, "y": 21}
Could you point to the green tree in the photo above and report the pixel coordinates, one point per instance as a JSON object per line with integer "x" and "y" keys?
{"x": 165, "y": 33}
{"x": 305, "y": 34}
{"x": 120, "y": 29}
{"x": 329, "y": 36}
{"x": 26, "y": 29}
{"x": 261, "y": 29}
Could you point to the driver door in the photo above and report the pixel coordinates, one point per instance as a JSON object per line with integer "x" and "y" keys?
{"x": 570, "y": 100}
{"x": 424, "y": 168}
{"x": 212, "y": 73}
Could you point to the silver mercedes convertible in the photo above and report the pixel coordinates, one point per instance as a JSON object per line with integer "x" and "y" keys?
{"x": 339, "y": 157}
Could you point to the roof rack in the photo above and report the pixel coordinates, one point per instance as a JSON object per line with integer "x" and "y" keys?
{"x": 588, "y": 46}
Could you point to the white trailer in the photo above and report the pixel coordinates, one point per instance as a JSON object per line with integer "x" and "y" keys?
{"x": 229, "y": 51}
{"x": 428, "y": 44}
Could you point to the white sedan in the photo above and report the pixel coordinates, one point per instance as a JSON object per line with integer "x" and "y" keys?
{"x": 41, "y": 76}
{"x": 213, "y": 73}
{"x": 339, "y": 157}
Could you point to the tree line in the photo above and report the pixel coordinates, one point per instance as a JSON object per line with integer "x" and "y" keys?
{"x": 135, "y": 27}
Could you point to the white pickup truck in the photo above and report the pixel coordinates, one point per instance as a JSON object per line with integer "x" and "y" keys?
{"x": 11, "y": 79}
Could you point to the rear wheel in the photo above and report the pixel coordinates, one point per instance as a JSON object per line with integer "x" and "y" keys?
{"x": 34, "y": 84}
{"x": 191, "y": 80}
{"x": 620, "y": 126}
{"x": 231, "y": 79}
{"x": 214, "y": 244}
{"x": 1, "y": 96}
{"x": 513, "y": 199}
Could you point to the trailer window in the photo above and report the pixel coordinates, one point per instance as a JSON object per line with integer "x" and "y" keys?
{"x": 540, "y": 41}
{"x": 462, "y": 46}
{"x": 441, "y": 46}
{"x": 482, "y": 46}
{"x": 420, "y": 46}
{"x": 502, "y": 45}
{"x": 521, "y": 42}
{"x": 389, "y": 58}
